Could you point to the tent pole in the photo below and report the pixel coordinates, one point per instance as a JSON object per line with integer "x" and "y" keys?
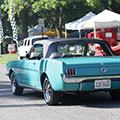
{"x": 79, "y": 33}
{"x": 94, "y": 30}
{"x": 0, "y": 48}
{"x": 65, "y": 33}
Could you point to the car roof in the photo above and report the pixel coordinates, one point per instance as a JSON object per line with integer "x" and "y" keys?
{"x": 37, "y": 36}
{"x": 48, "y": 42}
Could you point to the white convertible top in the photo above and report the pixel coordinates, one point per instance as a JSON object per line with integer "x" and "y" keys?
{"x": 47, "y": 49}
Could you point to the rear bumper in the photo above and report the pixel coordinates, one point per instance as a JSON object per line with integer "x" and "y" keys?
{"x": 72, "y": 79}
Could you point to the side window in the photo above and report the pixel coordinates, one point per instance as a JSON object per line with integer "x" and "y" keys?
{"x": 28, "y": 42}
{"x": 37, "y": 52}
{"x": 25, "y": 43}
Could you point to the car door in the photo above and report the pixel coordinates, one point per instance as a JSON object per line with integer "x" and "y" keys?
{"x": 31, "y": 69}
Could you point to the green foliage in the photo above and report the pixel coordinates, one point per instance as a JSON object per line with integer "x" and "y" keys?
{"x": 48, "y": 4}
{"x": 99, "y": 5}
{"x": 18, "y": 5}
{"x": 4, "y": 58}
{"x": 55, "y": 7}
{"x": 75, "y": 10}
{"x": 72, "y": 10}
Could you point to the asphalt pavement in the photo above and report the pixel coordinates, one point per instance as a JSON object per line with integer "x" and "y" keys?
{"x": 31, "y": 105}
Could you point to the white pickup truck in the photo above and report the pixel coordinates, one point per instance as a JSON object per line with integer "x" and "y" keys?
{"x": 27, "y": 44}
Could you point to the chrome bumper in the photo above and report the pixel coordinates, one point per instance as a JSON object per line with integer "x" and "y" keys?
{"x": 81, "y": 79}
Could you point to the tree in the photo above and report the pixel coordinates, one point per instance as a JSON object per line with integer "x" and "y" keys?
{"x": 6, "y": 24}
{"x": 55, "y": 12}
{"x": 75, "y": 10}
{"x": 59, "y": 10}
{"x": 100, "y": 5}
{"x": 21, "y": 8}
{"x": 55, "y": 8}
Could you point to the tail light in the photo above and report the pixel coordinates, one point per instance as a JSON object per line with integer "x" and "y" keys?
{"x": 70, "y": 72}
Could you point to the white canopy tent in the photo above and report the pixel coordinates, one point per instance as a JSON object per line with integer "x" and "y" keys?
{"x": 105, "y": 19}
{"x": 77, "y": 24}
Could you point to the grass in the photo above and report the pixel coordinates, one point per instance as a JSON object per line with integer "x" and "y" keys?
{"x": 4, "y": 58}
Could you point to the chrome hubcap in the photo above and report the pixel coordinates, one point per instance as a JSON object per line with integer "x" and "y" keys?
{"x": 13, "y": 84}
{"x": 47, "y": 91}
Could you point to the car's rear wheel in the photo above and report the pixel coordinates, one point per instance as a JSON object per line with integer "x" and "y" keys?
{"x": 115, "y": 94}
{"x": 51, "y": 97}
{"x": 16, "y": 89}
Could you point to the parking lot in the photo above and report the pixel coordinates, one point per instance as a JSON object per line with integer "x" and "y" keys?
{"x": 31, "y": 105}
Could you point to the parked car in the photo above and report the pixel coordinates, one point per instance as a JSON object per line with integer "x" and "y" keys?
{"x": 27, "y": 43}
{"x": 67, "y": 65}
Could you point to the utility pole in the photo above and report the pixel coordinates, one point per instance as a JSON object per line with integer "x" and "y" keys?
{"x": 1, "y": 31}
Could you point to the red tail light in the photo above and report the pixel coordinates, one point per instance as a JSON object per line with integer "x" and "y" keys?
{"x": 70, "y": 72}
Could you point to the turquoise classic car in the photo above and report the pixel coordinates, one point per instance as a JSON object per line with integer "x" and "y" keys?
{"x": 56, "y": 66}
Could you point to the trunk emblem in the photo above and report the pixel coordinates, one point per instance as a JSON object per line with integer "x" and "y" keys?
{"x": 103, "y": 70}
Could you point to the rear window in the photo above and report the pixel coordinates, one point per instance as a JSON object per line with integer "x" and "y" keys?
{"x": 82, "y": 49}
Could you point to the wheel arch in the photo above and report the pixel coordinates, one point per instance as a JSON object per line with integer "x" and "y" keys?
{"x": 10, "y": 72}
{"x": 43, "y": 78}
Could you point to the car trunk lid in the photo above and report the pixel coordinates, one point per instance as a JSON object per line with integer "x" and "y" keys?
{"x": 92, "y": 66}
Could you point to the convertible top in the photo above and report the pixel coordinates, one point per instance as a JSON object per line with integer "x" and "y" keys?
{"x": 52, "y": 42}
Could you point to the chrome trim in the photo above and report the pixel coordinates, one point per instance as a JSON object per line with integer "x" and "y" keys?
{"x": 103, "y": 70}
{"x": 85, "y": 78}
{"x": 27, "y": 86}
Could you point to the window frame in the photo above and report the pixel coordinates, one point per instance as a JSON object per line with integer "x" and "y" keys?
{"x": 32, "y": 49}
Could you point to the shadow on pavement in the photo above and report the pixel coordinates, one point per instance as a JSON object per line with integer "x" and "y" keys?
{"x": 92, "y": 100}
{"x": 22, "y": 105}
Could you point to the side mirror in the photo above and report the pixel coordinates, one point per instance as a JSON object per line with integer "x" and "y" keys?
{"x": 27, "y": 56}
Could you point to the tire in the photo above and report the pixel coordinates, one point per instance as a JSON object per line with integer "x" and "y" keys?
{"x": 15, "y": 88}
{"x": 51, "y": 97}
{"x": 115, "y": 94}
{"x": 20, "y": 58}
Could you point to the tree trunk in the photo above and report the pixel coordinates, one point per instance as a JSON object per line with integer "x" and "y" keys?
{"x": 58, "y": 18}
{"x": 24, "y": 23}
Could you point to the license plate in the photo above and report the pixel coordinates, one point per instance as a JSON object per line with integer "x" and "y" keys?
{"x": 100, "y": 84}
